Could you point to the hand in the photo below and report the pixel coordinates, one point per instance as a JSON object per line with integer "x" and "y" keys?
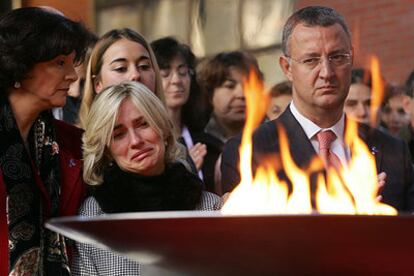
{"x": 381, "y": 183}
{"x": 197, "y": 153}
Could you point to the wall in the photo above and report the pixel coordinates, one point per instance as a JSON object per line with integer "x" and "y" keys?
{"x": 79, "y": 10}
{"x": 381, "y": 27}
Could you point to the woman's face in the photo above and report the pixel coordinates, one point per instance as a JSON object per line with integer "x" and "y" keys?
{"x": 135, "y": 146}
{"x": 48, "y": 82}
{"x": 228, "y": 101}
{"x": 393, "y": 114}
{"x": 358, "y": 103}
{"x": 176, "y": 83}
{"x": 125, "y": 60}
{"x": 277, "y": 105}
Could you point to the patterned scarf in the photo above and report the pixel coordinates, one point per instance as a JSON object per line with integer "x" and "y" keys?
{"x": 33, "y": 188}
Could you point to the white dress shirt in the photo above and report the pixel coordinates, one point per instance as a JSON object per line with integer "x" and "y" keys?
{"x": 338, "y": 146}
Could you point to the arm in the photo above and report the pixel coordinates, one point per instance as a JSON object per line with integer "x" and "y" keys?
{"x": 409, "y": 181}
{"x": 91, "y": 260}
{"x": 83, "y": 263}
{"x": 230, "y": 176}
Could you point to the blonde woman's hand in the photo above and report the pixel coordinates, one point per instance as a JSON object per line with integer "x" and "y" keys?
{"x": 197, "y": 153}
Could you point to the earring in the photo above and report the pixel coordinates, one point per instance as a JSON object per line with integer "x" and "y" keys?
{"x": 17, "y": 84}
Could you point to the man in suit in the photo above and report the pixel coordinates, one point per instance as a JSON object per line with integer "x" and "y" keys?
{"x": 317, "y": 58}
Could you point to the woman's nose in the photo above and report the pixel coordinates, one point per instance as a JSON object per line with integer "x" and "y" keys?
{"x": 134, "y": 138}
{"x": 238, "y": 91}
{"x": 135, "y": 75}
{"x": 71, "y": 74}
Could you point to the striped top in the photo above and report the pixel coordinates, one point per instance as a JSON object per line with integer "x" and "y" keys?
{"x": 90, "y": 260}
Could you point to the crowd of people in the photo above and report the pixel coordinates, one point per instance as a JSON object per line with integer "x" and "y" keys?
{"x": 117, "y": 124}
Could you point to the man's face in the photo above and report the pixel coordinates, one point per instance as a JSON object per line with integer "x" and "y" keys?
{"x": 319, "y": 87}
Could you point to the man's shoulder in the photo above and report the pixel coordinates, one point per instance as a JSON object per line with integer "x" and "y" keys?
{"x": 375, "y": 135}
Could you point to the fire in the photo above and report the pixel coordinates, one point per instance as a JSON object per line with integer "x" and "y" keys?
{"x": 340, "y": 192}
{"x": 377, "y": 90}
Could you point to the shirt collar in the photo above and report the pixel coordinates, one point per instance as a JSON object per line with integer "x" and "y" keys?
{"x": 214, "y": 129}
{"x": 311, "y": 129}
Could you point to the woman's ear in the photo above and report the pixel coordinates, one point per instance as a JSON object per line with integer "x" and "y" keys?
{"x": 97, "y": 84}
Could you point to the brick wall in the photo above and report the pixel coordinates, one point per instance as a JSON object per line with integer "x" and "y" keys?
{"x": 381, "y": 27}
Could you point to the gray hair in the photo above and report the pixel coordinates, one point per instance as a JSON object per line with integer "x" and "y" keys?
{"x": 312, "y": 16}
{"x": 101, "y": 120}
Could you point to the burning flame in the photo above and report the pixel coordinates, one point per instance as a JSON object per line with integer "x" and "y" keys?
{"x": 340, "y": 192}
{"x": 377, "y": 91}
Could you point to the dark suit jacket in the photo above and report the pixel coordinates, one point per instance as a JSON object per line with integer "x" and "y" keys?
{"x": 391, "y": 154}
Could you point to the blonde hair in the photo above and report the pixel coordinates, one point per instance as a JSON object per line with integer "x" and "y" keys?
{"x": 95, "y": 65}
{"x": 100, "y": 122}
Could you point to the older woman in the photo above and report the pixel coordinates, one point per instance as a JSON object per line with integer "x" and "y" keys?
{"x": 119, "y": 55}
{"x": 39, "y": 157}
{"x": 221, "y": 81}
{"x": 132, "y": 159}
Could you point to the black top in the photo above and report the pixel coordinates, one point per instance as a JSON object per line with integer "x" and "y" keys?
{"x": 175, "y": 189}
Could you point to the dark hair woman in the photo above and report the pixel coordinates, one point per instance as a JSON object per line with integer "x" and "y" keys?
{"x": 40, "y": 169}
{"x": 221, "y": 81}
{"x": 182, "y": 93}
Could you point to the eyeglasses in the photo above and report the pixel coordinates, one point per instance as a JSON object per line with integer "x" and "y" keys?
{"x": 336, "y": 60}
{"x": 182, "y": 72}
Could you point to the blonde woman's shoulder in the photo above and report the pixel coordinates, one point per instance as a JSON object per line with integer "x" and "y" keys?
{"x": 209, "y": 202}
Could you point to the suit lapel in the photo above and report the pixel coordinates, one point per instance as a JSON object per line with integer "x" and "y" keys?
{"x": 300, "y": 146}
{"x": 366, "y": 133}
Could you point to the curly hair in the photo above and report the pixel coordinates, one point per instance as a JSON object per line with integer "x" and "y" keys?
{"x": 32, "y": 35}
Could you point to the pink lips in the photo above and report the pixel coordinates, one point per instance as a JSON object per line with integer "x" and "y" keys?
{"x": 239, "y": 108}
{"x": 140, "y": 155}
{"x": 66, "y": 90}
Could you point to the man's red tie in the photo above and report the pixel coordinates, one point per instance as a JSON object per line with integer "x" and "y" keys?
{"x": 325, "y": 139}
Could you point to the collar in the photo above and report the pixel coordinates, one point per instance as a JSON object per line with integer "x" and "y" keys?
{"x": 311, "y": 129}
{"x": 185, "y": 134}
{"x": 215, "y": 129}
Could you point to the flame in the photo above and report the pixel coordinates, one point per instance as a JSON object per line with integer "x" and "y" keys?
{"x": 345, "y": 193}
{"x": 339, "y": 192}
{"x": 377, "y": 92}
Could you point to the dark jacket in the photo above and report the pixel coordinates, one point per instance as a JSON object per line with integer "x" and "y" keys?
{"x": 391, "y": 155}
